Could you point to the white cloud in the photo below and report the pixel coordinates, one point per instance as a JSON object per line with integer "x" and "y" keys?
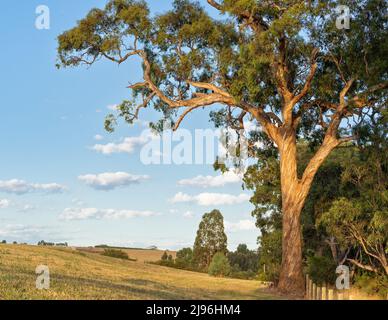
{"x": 27, "y": 207}
{"x": 94, "y": 213}
{"x": 211, "y": 199}
{"x": 32, "y": 233}
{"x": 242, "y": 225}
{"x": 111, "y": 180}
{"x": 98, "y": 137}
{"x": 128, "y": 145}
{"x": 21, "y": 187}
{"x": 112, "y": 107}
{"x": 182, "y": 197}
{"x": 188, "y": 214}
{"x": 4, "y": 203}
{"x": 212, "y": 181}
{"x": 17, "y": 231}
{"x": 77, "y": 202}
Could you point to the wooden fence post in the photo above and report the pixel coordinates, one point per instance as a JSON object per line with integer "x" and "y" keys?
{"x": 324, "y": 292}
{"x": 314, "y": 291}
{"x": 307, "y": 287}
{"x": 319, "y": 293}
{"x": 330, "y": 294}
{"x": 311, "y": 289}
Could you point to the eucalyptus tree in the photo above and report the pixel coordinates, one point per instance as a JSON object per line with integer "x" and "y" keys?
{"x": 291, "y": 66}
{"x": 210, "y": 240}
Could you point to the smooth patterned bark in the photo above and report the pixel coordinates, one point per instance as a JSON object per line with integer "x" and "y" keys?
{"x": 291, "y": 277}
{"x": 294, "y": 195}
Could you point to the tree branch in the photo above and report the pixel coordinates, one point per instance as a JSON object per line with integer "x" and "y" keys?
{"x": 254, "y": 21}
{"x": 360, "y": 102}
{"x": 145, "y": 103}
{"x": 330, "y": 141}
{"x": 363, "y": 266}
{"x": 183, "y": 116}
{"x": 260, "y": 115}
{"x": 215, "y": 4}
{"x": 208, "y": 86}
{"x": 201, "y": 101}
{"x": 309, "y": 79}
{"x": 343, "y": 94}
{"x": 122, "y": 59}
{"x": 320, "y": 156}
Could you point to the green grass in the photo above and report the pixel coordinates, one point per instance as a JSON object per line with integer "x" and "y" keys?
{"x": 83, "y": 275}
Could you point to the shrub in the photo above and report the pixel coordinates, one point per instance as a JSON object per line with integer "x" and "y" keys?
{"x": 114, "y": 253}
{"x": 372, "y": 284}
{"x": 245, "y": 275}
{"x": 165, "y": 256}
{"x": 244, "y": 259}
{"x": 321, "y": 269}
{"x": 167, "y": 260}
{"x": 219, "y": 267}
{"x": 184, "y": 258}
{"x": 185, "y": 254}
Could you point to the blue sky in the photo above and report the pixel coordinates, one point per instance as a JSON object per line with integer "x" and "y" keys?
{"x": 49, "y": 122}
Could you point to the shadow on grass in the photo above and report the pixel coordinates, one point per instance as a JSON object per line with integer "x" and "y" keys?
{"x": 24, "y": 281}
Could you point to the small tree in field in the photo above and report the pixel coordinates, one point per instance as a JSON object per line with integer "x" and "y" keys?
{"x": 164, "y": 256}
{"x": 287, "y": 65}
{"x": 211, "y": 239}
{"x": 219, "y": 267}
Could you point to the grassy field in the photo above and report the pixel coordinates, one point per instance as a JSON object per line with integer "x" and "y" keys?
{"x": 76, "y": 274}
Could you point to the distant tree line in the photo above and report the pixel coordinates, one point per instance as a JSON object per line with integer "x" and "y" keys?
{"x": 14, "y": 242}
{"x": 52, "y": 244}
{"x": 42, "y": 243}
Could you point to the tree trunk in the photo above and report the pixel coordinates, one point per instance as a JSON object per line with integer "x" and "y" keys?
{"x": 293, "y": 198}
{"x": 291, "y": 276}
{"x": 294, "y": 194}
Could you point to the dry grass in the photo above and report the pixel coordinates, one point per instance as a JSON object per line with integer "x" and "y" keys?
{"x": 84, "y": 275}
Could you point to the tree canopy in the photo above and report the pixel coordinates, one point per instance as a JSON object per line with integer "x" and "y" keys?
{"x": 258, "y": 56}
{"x": 211, "y": 239}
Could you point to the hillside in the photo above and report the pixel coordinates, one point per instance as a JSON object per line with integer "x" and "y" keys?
{"x": 141, "y": 255}
{"x": 85, "y": 275}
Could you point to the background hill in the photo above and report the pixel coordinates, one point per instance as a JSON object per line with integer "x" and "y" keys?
{"x": 141, "y": 255}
